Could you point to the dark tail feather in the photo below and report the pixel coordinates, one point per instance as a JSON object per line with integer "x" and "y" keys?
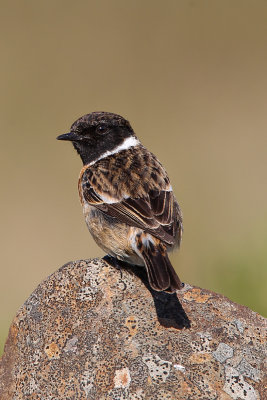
{"x": 161, "y": 274}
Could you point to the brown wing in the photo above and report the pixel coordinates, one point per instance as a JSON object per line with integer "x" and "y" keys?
{"x": 167, "y": 212}
{"x": 157, "y": 213}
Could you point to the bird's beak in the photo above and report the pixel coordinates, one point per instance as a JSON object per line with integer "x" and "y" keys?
{"x": 71, "y": 136}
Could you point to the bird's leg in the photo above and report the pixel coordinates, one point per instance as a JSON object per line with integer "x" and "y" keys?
{"x": 114, "y": 262}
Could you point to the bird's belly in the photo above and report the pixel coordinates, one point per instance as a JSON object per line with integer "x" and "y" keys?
{"x": 112, "y": 236}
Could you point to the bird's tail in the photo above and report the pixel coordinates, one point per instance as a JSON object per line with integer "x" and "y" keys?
{"x": 161, "y": 274}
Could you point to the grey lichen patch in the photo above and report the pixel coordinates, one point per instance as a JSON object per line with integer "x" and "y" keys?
{"x": 244, "y": 368}
{"x": 91, "y": 284}
{"x": 92, "y": 275}
{"x": 71, "y": 345}
{"x": 35, "y": 313}
{"x": 87, "y": 382}
{"x": 159, "y": 369}
{"x": 237, "y": 387}
{"x": 231, "y": 329}
{"x": 33, "y": 386}
{"x": 223, "y": 352}
{"x": 36, "y": 357}
{"x": 239, "y": 325}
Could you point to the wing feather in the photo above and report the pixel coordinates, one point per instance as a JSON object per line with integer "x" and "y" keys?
{"x": 157, "y": 213}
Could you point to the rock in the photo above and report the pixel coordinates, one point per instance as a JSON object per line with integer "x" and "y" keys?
{"x": 91, "y": 331}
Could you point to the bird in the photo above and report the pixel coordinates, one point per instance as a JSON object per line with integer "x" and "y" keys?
{"x": 126, "y": 196}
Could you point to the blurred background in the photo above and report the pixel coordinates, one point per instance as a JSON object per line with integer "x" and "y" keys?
{"x": 191, "y": 78}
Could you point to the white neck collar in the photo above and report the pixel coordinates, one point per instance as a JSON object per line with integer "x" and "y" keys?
{"x": 126, "y": 144}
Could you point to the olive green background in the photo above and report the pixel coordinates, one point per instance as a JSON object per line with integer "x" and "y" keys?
{"x": 191, "y": 78}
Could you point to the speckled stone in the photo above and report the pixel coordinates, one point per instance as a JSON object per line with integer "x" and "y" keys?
{"x": 93, "y": 331}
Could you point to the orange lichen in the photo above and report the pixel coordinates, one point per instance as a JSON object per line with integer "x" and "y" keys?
{"x": 200, "y": 358}
{"x": 132, "y": 324}
{"x": 197, "y": 296}
{"x": 52, "y": 350}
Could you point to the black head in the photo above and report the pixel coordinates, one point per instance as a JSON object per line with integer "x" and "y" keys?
{"x": 94, "y": 134}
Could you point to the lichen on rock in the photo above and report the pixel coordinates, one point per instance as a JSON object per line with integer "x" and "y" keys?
{"x": 92, "y": 331}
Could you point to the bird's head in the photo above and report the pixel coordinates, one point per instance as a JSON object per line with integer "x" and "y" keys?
{"x": 98, "y": 133}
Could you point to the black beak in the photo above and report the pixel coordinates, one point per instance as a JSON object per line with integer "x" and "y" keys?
{"x": 71, "y": 136}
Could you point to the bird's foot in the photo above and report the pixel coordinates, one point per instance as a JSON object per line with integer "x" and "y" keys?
{"x": 114, "y": 262}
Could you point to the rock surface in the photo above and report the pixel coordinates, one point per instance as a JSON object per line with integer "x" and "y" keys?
{"x": 91, "y": 331}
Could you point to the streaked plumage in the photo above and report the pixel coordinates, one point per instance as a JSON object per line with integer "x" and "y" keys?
{"x": 127, "y": 198}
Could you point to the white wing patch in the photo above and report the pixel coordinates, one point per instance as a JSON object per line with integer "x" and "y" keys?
{"x": 146, "y": 239}
{"x": 168, "y": 188}
{"x": 110, "y": 200}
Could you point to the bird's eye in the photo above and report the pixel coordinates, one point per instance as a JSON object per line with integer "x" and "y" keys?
{"x": 102, "y": 129}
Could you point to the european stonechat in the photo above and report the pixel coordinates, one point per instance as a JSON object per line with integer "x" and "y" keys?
{"x": 127, "y": 198}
